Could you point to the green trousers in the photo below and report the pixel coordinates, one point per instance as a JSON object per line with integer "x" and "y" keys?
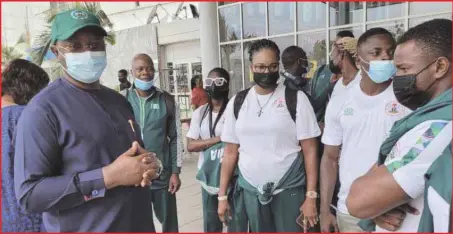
{"x": 164, "y": 204}
{"x": 279, "y": 215}
{"x": 211, "y": 221}
{"x": 239, "y": 221}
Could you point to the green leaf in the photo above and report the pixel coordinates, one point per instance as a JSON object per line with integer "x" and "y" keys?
{"x": 9, "y": 53}
{"x": 42, "y": 41}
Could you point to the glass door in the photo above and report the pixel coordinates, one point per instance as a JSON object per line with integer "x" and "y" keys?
{"x": 182, "y": 83}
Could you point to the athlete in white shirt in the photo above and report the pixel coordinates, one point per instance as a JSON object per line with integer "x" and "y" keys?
{"x": 343, "y": 64}
{"x": 205, "y": 128}
{"x": 422, "y": 83}
{"x": 359, "y": 120}
{"x": 274, "y": 178}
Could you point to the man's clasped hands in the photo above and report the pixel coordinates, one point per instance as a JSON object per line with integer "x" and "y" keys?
{"x": 136, "y": 167}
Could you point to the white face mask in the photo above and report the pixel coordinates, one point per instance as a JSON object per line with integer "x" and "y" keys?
{"x": 86, "y": 67}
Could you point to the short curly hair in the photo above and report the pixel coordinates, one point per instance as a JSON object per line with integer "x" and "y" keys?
{"x": 22, "y": 80}
{"x": 433, "y": 37}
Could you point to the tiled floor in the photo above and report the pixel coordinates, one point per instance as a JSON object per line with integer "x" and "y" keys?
{"x": 190, "y": 217}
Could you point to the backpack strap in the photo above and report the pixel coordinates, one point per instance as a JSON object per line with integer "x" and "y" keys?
{"x": 239, "y": 100}
{"x": 291, "y": 102}
{"x": 170, "y": 104}
{"x": 204, "y": 110}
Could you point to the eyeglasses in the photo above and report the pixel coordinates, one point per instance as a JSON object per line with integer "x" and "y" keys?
{"x": 261, "y": 68}
{"x": 219, "y": 81}
{"x": 75, "y": 46}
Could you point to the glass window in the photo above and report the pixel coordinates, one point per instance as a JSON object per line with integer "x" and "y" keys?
{"x": 283, "y": 43}
{"x": 182, "y": 79}
{"x": 248, "y": 78}
{"x": 231, "y": 60}
{"x": 416, "y": 8}
{"x": 357, "y": 31}
{"x": 281, "y": 17}
{"x": 384, "y": 10}
{"x": 224, "y": 3}
{"x": 416, "y": 21}
{"x": 196, "y": 69}
{"x": 395, "y": 27}
{"x": 314, "y": 44}
{"x": 342, "y": 13}
{"x": 229, "y": 23}
{"x": 254, "y": 19}
{"x": 311, "y": 15}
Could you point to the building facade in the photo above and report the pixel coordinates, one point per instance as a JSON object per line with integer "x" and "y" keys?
{"x": 183, "y": 46}
{"x": 310, "y": 25}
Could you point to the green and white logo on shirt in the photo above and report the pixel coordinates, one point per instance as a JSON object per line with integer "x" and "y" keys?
{"x": 349, "y": 111}
{"x": 217, "y": 154}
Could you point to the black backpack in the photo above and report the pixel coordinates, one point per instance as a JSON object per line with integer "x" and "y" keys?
{"x": 290, "y": 97}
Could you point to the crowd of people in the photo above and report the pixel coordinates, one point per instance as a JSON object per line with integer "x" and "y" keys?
{"x": 365, "y": 145}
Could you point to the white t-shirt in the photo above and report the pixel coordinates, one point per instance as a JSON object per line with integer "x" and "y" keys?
{"x": 409, "y": 160}
{"x": 359, "y": 123}
{"x": 201, "y": 131}
{"x": 340, "y": 88}
{"x": 269, "y": 144}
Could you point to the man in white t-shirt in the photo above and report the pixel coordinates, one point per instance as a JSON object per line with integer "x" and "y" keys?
{"x": 342, "y": 61}
{"x": 422, "y": 83}
{"x": 358, "y": 120}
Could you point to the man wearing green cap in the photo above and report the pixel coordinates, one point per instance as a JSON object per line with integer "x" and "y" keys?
{"x": 78, "y": 158}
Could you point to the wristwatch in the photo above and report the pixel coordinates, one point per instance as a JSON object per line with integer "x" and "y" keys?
{"x": 222, "y": 198}
{"x": 311, "y": 194}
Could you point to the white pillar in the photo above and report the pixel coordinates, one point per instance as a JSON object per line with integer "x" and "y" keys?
{"x": 209, "y": 39}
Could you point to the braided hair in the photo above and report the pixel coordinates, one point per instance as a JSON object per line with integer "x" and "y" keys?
{"x": 263, "y": 44}
{"x": 223, "y": 73}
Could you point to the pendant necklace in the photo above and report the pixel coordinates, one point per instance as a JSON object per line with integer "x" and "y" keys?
{"x": 261, "y": 107}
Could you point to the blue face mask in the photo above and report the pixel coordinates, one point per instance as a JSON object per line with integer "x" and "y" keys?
{"x": 143, "y": 85}
{"x": 380, "y": 71}
{"x": 86, "y": 67}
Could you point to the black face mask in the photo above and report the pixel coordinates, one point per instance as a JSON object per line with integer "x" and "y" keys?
{"x": 301, "y": 71}
{"x": 335, "y": 69}
{"x": 406, "y": 92}
{"x": 217, "y": 92}
{"x": 266, "y": 80}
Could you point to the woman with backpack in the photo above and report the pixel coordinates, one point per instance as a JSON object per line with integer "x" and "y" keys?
{"x": 274, "y": 131}
{"x": 204, "y": 137}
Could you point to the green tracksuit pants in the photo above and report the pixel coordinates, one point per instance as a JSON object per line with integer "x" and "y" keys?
{"x": 164, "y": 204}
{"x": 211, "y": 221}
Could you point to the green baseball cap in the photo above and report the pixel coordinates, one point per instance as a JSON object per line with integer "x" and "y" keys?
{"x": 66, "y": 23}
